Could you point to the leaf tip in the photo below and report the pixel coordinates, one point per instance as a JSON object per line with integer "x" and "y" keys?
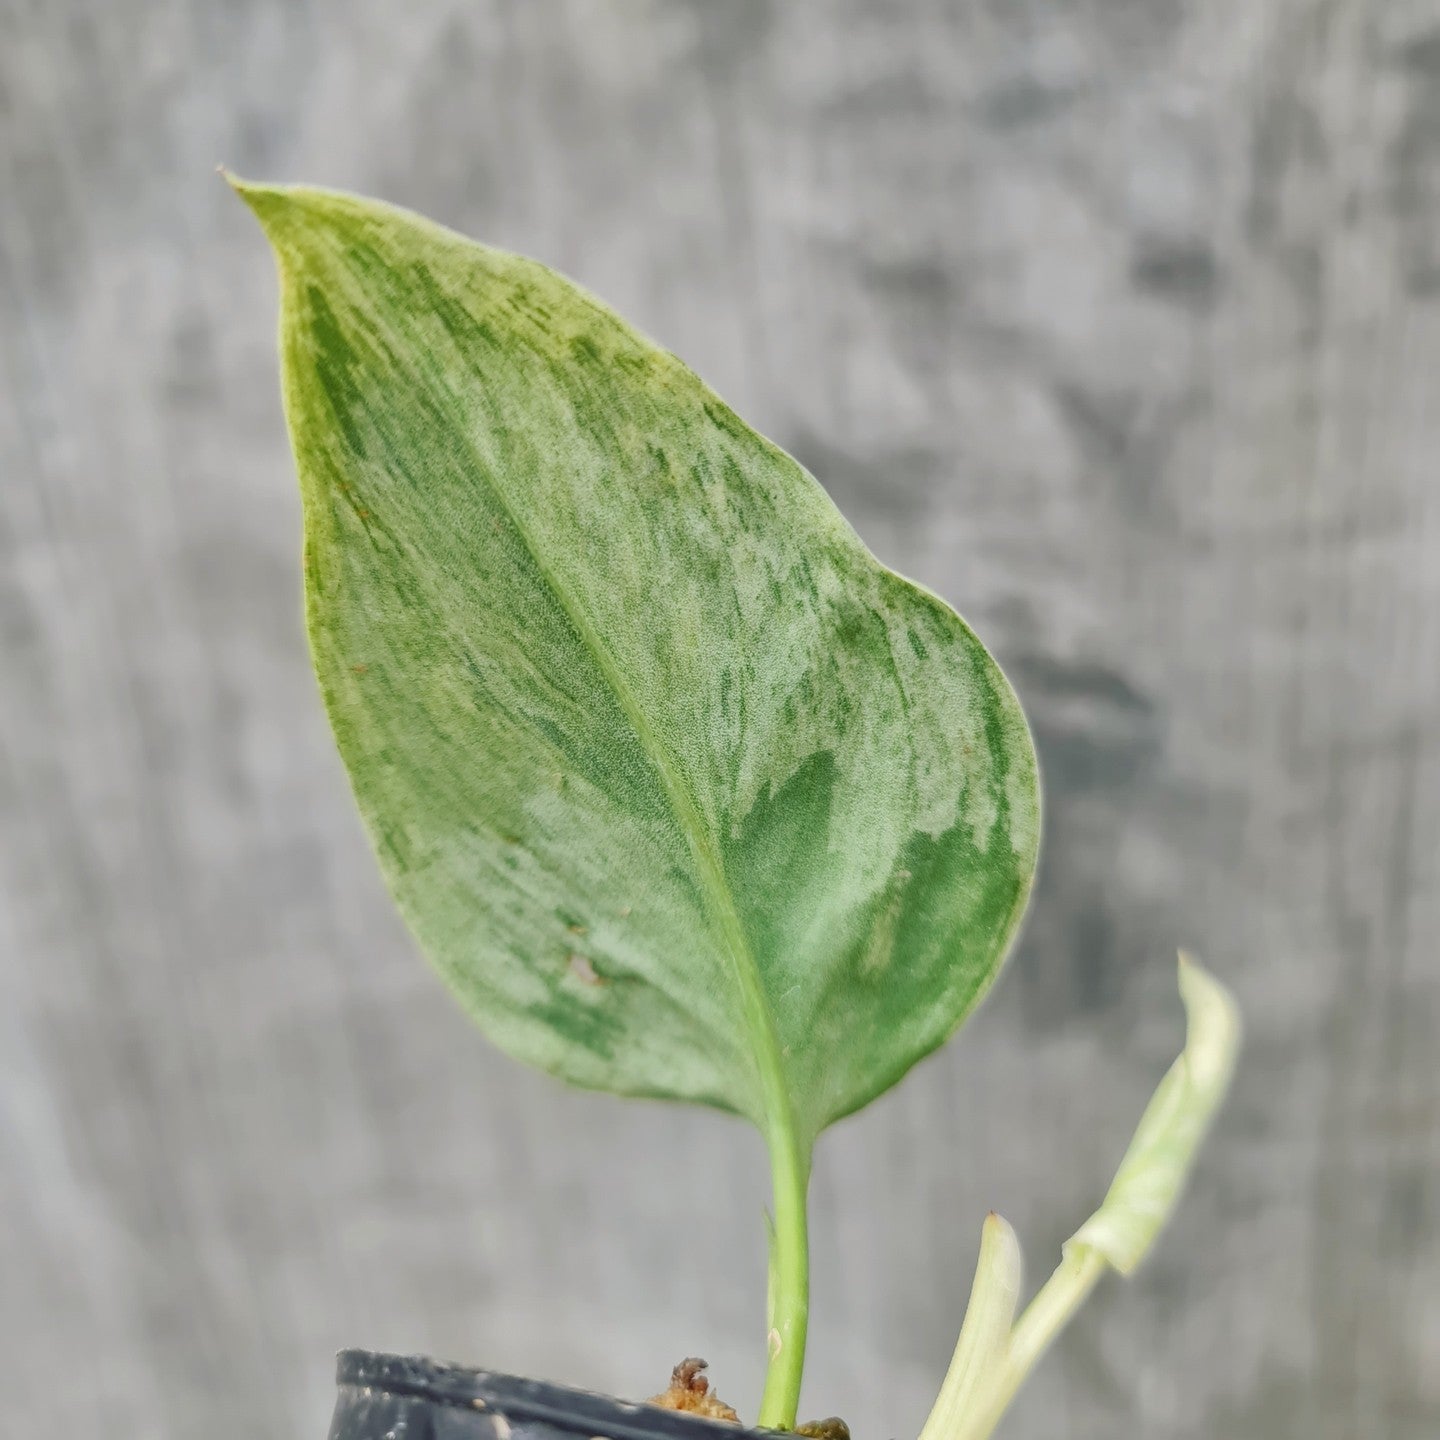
{"x": 1213, "y": 1022}
{"x": 288, "y": 214}
{"x": 997, "y": 1232}
{"x": 267, "y": 202}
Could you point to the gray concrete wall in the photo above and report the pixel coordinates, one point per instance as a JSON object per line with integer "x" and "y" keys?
{"x": 1116, "y": 321}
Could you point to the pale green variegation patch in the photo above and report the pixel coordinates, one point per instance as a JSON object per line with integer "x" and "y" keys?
{"x": 683, "y": 792}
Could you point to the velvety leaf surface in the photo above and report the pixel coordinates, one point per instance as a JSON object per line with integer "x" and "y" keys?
{"x": 683, "y": 792}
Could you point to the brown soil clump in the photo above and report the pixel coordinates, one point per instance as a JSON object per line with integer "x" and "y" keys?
{"x": 690, "y": 1391}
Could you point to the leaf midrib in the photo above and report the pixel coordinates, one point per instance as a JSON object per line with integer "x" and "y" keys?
{"x": 775, "y": 1094}
{"x": 779, "y": 1122}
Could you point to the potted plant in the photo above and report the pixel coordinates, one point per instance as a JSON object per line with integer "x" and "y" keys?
{"x": 684, "y": 793}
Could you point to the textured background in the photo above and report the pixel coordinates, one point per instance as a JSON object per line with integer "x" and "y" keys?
{"x": 1116, "y": 321}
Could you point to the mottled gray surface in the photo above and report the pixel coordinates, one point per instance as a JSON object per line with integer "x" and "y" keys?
{"x": 1117, "y": 321}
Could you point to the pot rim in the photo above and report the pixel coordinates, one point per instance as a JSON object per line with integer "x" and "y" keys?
{"x": 602, "y": 1417}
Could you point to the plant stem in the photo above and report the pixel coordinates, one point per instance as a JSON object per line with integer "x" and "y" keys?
{"x": 1052, "y": 1308}
{"x": 1043, "y": 1319}
{"x": 789, "y": 1280}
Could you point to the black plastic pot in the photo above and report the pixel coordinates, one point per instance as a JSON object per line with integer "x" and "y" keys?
{"x": 394, "y": 1397}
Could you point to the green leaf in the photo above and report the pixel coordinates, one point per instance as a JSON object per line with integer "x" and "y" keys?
{"x": 682, "y": 791}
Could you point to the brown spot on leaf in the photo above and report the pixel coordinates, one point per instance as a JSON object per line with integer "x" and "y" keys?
{"x": 583, "y": 970}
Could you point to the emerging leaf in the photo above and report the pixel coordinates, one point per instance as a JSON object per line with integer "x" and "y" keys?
{"x": 682, "y": 791}
{"x": 1153, "y": 1171}
{"x": 983, "y": 1348}
{"x": 992, "y": 1359}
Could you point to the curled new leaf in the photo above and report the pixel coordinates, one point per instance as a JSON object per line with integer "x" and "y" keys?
{"x": 983, "y": 1347}
{"x": 1153, "y": 1171}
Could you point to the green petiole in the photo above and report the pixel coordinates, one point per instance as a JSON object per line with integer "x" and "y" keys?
{"x": 789, "y": 1283}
